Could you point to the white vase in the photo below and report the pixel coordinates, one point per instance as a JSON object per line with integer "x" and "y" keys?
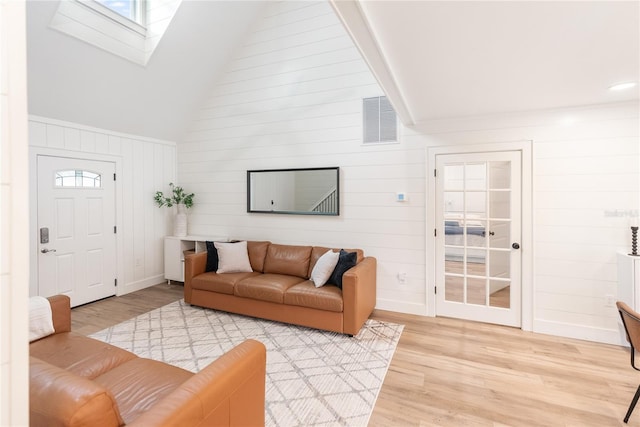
{"x": 180, "y": 221}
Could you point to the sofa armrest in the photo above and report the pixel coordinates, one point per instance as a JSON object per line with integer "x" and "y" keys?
{"x": 228, "y": 392}
{"x": 60, "y": 398}
{"x": 194, "y": 264}
{"x": 61, "y": 312}
{"x": 359, "y": 294}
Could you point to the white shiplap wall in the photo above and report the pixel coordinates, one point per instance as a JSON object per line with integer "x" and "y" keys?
{"x": 14, "y": 190}
{"x": 143, "y": 165}
{"x": 586, "y": 184}
{"x": 291, "y": 97}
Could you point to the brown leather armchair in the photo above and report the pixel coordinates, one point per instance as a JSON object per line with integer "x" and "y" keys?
{"x": 78, "y": 381}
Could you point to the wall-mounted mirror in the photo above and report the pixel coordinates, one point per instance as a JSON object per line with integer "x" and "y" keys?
{"x": 313, "y": 191}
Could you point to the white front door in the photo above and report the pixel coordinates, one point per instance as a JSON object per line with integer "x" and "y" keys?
{"x": 478, "y": 229}
{"x": 76, "y": 228}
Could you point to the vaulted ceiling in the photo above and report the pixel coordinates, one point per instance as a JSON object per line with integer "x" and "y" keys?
{"x": 74, "y": 81}
{"x": 442, "y": 59}
{"x": 434, "y": 59}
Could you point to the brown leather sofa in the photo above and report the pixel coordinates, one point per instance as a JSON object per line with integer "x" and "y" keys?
{"x": 278, "y": 288}
{"x": 79, "y": 381}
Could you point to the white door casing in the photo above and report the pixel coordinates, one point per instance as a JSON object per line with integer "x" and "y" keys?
{"x": 478, "y": 231}
{"x": 79, "y": 259}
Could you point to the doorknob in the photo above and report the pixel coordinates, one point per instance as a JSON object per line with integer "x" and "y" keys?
{"x": 516, "y": 246}
{"x": 44, "y": 251}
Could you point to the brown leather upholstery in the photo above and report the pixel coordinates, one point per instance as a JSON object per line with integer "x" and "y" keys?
{"x": 235, "y": 399}
{"x": 60, "y": 308}
{"x": 280, "y": 293}
{"x": 359, "y": 293}
{"x": 140, "y": 384}
{"x": 194, "y": 264}
{"x": 140, "y": 392}
{"x": 257, "y": 253}
{"x": 61, "y": 398}
{"x": 289, "y": 260}
{"x": 221, "y": 283}
{"x": 81, "y": 355}
{"x": 305, "y": 294}
{"x": 266, "y": 287}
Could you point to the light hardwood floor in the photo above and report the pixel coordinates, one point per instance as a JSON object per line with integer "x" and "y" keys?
{"x": 449, "y": 372}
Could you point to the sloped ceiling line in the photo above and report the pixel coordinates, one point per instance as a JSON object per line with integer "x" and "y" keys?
{"x": 354, "y": 20}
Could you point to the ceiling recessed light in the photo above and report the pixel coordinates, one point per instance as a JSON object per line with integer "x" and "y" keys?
{"x": 623, "y": 86}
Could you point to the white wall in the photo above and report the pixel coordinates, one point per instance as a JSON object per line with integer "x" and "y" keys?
{"x": 291, "y": 97}
{"x": 14, "y": 267}
{"x": 585, "y": 194}
{"x": 143, "y": 166}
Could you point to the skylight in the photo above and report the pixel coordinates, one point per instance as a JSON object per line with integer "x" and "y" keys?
{"x": 125, "y": 8}
{"x": 130, "y": 29}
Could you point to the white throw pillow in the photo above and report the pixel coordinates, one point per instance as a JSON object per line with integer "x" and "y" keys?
{"x": 40, "y": 318}
{"x": 324, "y": 267}
{"x": 233, "y": 257}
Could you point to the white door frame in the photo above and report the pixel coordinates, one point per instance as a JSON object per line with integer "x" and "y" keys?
{"x": 526, "y": 243}
{"x": 34, "y": 152}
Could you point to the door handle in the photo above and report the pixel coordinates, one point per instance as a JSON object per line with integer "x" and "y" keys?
{"x": 44, "y": 251}
{"x": 515, "y": 245}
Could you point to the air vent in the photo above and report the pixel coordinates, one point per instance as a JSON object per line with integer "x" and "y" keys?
{"x": 379, "y": 121}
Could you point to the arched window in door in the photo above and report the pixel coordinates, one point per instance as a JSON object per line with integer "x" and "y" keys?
{"x": 78, "y": 179}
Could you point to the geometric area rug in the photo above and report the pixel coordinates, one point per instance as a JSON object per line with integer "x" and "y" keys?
{"x": 314, "y": 378}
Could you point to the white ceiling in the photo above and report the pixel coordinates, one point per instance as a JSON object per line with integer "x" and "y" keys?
{"x": 443, "y": 59}
{"x": 433, "y": 59}
{"x": 74, "y": 81}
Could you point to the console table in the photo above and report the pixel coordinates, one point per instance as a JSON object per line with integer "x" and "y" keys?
{"x": 174, "y": 248}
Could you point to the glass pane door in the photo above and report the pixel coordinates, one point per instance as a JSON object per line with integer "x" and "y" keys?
{"x": 478, "y": 212}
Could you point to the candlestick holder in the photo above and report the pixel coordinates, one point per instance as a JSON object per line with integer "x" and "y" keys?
{"x": 634, "y": 241}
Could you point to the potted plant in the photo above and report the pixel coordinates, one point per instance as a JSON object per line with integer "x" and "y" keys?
{"x": 178, "y": 197}
{"x": 182, "y": 201}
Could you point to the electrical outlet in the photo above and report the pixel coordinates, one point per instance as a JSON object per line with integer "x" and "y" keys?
{"x": 610, "y": 300}
{"x": 138, "y": 262}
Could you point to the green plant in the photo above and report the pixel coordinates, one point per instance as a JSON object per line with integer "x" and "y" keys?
{"x": 178, "y": 196}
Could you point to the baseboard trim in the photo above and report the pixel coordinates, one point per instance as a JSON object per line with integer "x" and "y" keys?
{"x": 568, "y": 330}
{"x": 140, "y": 284}
{"x": 401, "y": 307}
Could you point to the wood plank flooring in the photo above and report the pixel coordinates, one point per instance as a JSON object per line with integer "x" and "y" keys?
{"x": 449, "y": 372}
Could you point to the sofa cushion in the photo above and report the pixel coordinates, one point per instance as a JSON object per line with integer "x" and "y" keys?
{"x": 266, "y": 287}
{"x": 257, "y": 253}
{"x": 288, "y": 259}
{"x": 305, "y": 294}
{"x": 324, "y": 267}
{"x": 318, "y": 251}
{"x": 58, "y": 397}
{"x": 220, "y": 283}
{"x": 233, "y": 257}
{"x": 78, "y": 354}
{"x": 140, "y": 383}
{"x": 346, "y": 260}
{"x": 212, "y": 257}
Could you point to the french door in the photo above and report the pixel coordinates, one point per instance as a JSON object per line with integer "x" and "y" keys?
{"x": 478, "y": 229}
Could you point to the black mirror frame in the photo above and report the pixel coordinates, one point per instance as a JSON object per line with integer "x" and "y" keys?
{"x": 337, "y": 211}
